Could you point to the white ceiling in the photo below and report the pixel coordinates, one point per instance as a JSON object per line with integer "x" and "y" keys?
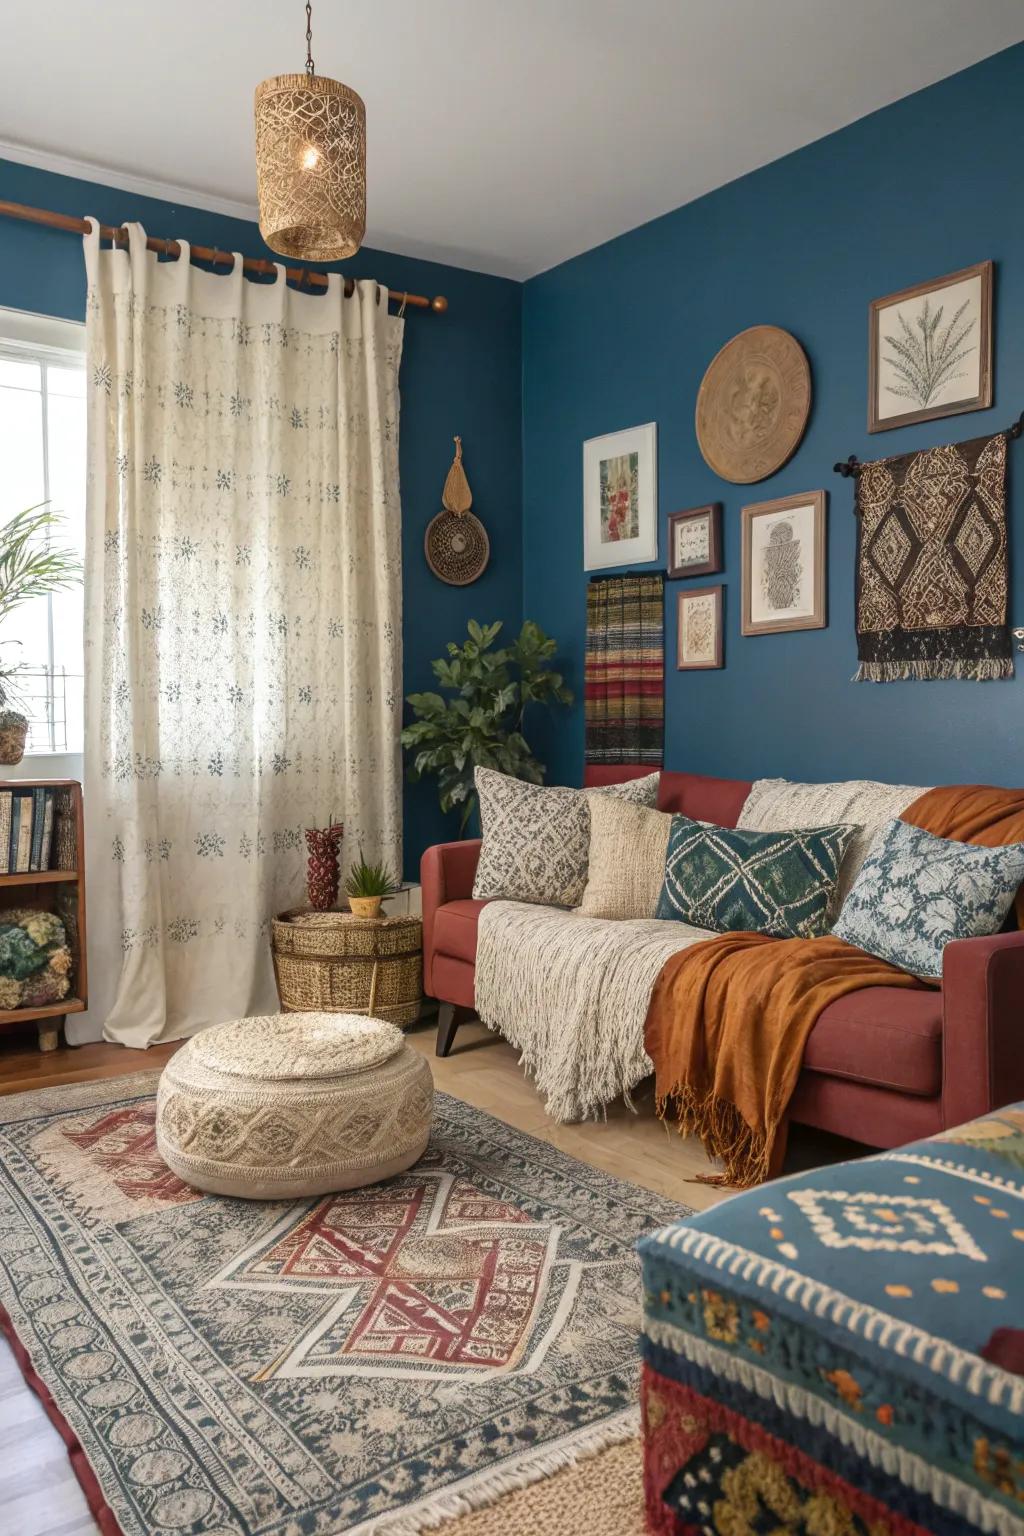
{"x": 504, "y": 135}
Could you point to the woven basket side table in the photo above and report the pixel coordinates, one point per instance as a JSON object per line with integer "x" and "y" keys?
{"x": 332, "y": 962}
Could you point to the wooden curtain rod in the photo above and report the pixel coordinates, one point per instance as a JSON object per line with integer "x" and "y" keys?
{"x": 300, "y": 275}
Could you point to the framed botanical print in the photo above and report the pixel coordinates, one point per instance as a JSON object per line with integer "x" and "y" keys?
{"x": 695, "y": 541}
{"x": 784, "y": 564}
{"x": 699, "y": 629}
{"x": 620, "y": 498}
{"x": 930, "y": 350}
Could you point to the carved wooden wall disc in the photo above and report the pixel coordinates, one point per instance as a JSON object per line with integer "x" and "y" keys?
{"x": 753, "y": 404}
{"x": 457, "y": 547}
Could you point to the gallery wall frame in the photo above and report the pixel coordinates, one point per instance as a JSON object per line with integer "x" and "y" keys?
{"x": 695, "y": 541}
{"x": 784, "y": 564}
{"x": 620, "y": 498}
{"x": 699, "y": 629}
{"x": 930, "y": 345}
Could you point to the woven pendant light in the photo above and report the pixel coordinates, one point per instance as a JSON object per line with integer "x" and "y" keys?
{"x": 456, "y": 543}
{"x": 310, "y": 163}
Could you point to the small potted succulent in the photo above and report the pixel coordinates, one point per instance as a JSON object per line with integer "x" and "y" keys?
{"x": 30, "y": 566}
{"x": 367, "y": 885}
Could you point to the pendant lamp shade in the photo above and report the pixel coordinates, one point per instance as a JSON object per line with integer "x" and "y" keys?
{"x": 311, "y": 166}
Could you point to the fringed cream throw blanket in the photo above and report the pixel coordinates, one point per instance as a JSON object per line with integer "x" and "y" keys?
{"x": 571, "y": 993}
{"x": 932, "y": 564}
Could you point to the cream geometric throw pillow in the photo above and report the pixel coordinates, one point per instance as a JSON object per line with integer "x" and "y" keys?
{"x": 627, "y": 859}
{"x": 536, "y": 840}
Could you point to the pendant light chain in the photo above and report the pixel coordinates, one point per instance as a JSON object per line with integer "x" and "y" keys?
{"x": 309, "y": 39}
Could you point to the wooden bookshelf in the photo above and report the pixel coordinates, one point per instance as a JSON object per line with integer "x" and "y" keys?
{"x": 53, "y": 890}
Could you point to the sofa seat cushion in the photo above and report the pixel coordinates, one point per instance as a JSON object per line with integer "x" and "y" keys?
{"x": 455, "y": 929}
{"x": 890, "y": 1037}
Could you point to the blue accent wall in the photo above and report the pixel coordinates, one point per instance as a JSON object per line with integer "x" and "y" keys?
{"x": 623, "y": 334}
{"x": 461, "y": 373}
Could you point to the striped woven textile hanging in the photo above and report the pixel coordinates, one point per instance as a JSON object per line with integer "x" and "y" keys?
{"x": 624, "y": 676}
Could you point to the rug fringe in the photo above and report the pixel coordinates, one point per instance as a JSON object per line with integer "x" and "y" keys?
{"x": 986, "y": 670}
{"x": 493, "y": 1486}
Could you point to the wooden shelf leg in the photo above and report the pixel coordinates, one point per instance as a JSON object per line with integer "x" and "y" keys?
{"x": 49, "y": 1032}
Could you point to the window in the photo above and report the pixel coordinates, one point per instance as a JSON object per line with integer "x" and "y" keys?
{"x": 42, "y": 454}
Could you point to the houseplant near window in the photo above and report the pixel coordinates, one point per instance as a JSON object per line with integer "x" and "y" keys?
{"x": 367, "y": 885}
{"x": 30, "y": 566}
{"x": 480, "y": 724}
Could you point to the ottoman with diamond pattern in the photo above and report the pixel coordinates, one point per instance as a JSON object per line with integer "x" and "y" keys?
{"x": 843, "y": 1350}
{"x": 293, "y": 1104}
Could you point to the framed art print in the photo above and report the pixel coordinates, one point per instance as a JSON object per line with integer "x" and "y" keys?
{"x": 620, "y": 498}
{"x": 695, "y": 541}
{"x": 930, "y": 350}
{"x": 699, "y": 629}
{"x": 784, "y": 564}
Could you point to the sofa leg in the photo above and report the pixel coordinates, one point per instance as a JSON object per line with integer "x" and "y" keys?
{"x": 449, "y": 1017}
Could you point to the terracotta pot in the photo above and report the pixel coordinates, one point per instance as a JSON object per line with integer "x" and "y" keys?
{"x": 365, "y": 906}
{"x": 13, "y": 734}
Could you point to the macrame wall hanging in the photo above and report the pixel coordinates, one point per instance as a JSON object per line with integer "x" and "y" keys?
{"x": 456, "y": 543}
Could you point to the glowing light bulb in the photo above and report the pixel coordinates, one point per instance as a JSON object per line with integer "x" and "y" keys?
{"x": 310, "y": 157}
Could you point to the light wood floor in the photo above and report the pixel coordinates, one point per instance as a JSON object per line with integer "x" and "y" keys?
{"x": 481, "y": 1070}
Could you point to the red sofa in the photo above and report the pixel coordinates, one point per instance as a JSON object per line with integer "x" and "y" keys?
{"x": 883, "y": 1066}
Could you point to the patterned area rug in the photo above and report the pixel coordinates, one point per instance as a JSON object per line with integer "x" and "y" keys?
{"x": 383, "y": 1360}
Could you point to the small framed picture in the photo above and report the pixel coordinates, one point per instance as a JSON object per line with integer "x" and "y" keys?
{"x": 695, "y": 541}
{"x": 699, "y": 631}
{"x": 930, "y": 350}
{"x": 620, "y": 498}
{"x": 784, "y": 564}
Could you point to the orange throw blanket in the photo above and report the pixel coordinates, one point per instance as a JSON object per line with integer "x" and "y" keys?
{"x": 728, "y": 1019}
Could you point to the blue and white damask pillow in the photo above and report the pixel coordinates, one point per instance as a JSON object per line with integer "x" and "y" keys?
{"x": 917, "y": 892}
{"x": 733, "y": 880}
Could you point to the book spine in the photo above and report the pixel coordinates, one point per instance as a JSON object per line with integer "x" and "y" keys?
{"x": 47, "y": 843}
{"x": 12, "y": 841}
{"x": 24, "y": 834}
{"x": 38, "y": 806}
{"x": 5, "y": 830}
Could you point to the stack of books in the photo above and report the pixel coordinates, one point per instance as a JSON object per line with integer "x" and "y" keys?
{"x": 27, "y": 820}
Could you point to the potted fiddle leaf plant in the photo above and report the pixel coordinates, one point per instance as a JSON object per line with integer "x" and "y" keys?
{"x": 478, "y": 719}
{"x": 30, "y": 566}
{"x": 367, "y": 885}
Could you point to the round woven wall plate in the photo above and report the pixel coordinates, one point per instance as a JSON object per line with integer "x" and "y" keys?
{"x": 457, "y": 547}
{"x": 753, "y": 404}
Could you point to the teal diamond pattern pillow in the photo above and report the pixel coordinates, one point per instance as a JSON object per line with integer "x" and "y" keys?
{"x": 917, "y": 892}
{"x": 736, "y": 881}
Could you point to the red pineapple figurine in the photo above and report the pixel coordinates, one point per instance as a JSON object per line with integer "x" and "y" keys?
{"x": 322, "y": 865}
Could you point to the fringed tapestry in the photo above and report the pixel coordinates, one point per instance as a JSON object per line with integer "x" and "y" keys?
{"x": 625, "y": 669}
{"x": 932, "y": 564}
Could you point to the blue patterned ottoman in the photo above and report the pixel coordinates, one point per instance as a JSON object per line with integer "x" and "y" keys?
{"x": 841, "y": 1353}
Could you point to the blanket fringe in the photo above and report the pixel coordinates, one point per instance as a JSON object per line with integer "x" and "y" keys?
{"x": 724, "y": 1135}
{"x": 985, "y": 670}
{"x": 523, "y": 1473}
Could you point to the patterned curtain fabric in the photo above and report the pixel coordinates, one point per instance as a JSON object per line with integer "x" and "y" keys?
{"x": 624, "y": 678}
{"x": 243, "y": 621}
{"x": 932, "y": 564}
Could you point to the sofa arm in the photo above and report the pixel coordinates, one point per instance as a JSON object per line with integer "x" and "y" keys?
{"x": 982, "y": 1026}
{"x": 446, "y": 874}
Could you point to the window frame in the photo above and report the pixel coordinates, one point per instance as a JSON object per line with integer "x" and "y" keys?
{"x": 51, "y": 342}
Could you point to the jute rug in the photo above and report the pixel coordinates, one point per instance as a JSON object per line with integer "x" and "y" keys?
{"x": 456, "y": 1349}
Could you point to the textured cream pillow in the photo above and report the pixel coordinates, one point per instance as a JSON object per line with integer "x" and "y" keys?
{"x": 627, "y": 859}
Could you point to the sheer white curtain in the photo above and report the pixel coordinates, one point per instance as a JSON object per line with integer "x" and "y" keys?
{"x": 243, "y": 621}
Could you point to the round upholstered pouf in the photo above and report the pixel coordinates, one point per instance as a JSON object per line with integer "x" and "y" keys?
{"x": 293, "y": 1104}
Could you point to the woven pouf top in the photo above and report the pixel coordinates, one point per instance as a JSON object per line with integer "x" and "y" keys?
{"x": 277, "y": 1047}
